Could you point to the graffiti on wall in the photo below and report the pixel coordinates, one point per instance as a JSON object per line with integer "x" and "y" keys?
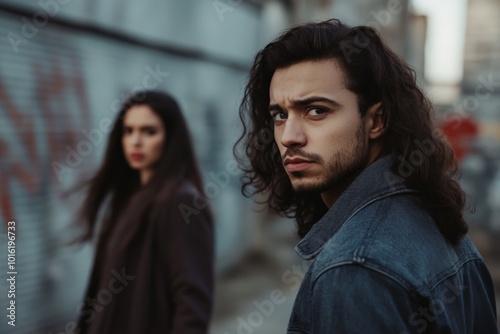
{"x": 41, "y": 127}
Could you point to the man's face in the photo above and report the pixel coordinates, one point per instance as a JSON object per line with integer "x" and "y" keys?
{"x": 318, "y": 128}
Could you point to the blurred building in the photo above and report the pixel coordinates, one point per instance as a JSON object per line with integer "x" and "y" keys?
{"x": 399, "y": 25}
{"x": 482, "y": 43}
{"x": 481, "y": 101}
{"x": 388, "y": 17}
{"x": 66, "y": 67}
{"x": 417, "y": 32}
{"x": 481, "y": 79}
{"x": 472, "y": 116}
{"x": 481, "y": 83}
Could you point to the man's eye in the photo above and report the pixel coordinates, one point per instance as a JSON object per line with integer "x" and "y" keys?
{"x": 279, "y": 116}
{"x": 316, "y": 111}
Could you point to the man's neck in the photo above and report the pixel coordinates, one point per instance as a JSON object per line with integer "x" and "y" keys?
{"x": 331, "y": 195}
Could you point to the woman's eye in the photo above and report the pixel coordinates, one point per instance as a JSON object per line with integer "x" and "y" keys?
{"x": 127, "y": 131}
{"x": 150, "y": 132}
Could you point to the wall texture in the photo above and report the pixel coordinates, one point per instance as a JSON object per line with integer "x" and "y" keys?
{"x": 65, "y": 67}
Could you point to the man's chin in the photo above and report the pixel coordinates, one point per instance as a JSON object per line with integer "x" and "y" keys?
{"x": 304, "y": 187}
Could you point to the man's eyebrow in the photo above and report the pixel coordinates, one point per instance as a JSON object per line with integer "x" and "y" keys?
{"x": 275, "y": 107}
{"x": 305, "y": 102}
{"x": 313, "y": 99}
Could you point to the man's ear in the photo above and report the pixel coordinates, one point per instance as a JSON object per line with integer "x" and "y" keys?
{"x": 374, "y": 121}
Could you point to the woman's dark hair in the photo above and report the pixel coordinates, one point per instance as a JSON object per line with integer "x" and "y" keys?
{"x": 375, "y": 74}
{"x": 121, "y": 183}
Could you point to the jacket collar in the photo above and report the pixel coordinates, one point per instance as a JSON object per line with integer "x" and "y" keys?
{"x": 375, "y": 182}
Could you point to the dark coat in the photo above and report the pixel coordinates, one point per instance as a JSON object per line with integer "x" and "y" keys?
{"x": 162, "y": 282}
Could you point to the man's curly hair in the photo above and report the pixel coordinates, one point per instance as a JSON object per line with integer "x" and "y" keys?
{"x": 375, "y": 74}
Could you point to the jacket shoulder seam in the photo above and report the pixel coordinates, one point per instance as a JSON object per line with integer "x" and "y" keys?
{"x": 363, "y": 264}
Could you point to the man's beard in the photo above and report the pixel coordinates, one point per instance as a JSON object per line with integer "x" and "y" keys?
{"x": 348, "y": 162}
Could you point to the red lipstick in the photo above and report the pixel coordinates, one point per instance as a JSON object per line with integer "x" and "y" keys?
{"x": 137, "y": 156}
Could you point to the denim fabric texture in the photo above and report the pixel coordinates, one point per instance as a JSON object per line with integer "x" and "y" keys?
{"x": 381, "y": 265}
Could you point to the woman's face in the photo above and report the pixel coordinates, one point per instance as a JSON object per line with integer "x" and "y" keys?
{"x": 143, "y": 138}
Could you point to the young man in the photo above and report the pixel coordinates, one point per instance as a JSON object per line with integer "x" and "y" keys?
{"x": 372, "y": 185}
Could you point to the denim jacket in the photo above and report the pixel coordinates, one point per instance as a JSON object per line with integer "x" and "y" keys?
{"x": 381, "y": 265}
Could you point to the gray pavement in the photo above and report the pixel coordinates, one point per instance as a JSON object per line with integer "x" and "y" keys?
{"x": 253, "y": 300}
{"x": 251, "y": 297}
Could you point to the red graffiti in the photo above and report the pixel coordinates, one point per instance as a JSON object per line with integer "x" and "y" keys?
{"x": 55, "y": 125}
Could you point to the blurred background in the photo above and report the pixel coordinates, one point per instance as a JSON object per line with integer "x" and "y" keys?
{"x": 66, "y": 66}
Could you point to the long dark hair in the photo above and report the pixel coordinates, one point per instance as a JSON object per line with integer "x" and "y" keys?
{"x": 121, "y": 183}
{"x": 376, "y": 74}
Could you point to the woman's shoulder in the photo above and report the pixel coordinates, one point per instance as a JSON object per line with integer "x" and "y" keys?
{"x": 190, "y": 202}
{"x": 187, "y": 196}
{"x": 184, "y": 191}
{"x": 185, "y": 202}
{"x": 187, "y": 189}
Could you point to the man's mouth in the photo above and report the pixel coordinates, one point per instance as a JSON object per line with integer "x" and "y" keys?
{"x": 296, "y": 164}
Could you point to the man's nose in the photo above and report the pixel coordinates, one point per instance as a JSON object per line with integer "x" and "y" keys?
{"x": 293, "y": 134}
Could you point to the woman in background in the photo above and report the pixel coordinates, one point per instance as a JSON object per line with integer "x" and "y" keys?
{"x": 153, "y": 269}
